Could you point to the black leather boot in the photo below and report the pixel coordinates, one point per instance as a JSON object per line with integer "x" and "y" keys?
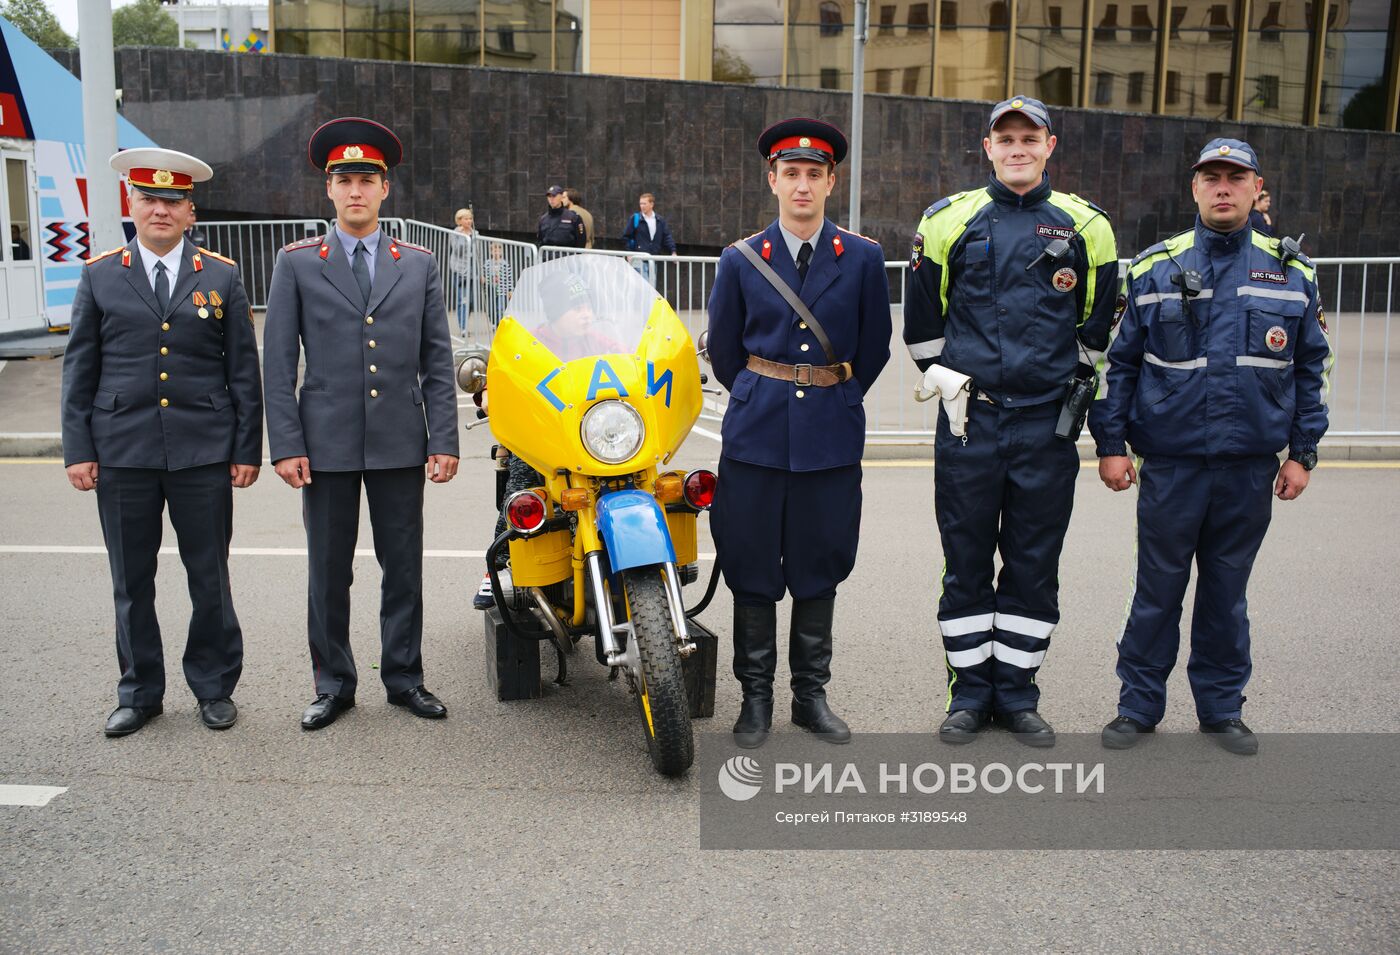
{"x": 755, "y": 661}
{"x": 809, "y": 658}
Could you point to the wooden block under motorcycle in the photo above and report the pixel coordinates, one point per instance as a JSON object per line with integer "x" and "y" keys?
{"x": 512, "y": 664}
{"x": 699, "y": 670}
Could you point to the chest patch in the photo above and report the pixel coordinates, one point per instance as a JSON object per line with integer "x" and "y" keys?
{"x": 1264, "y": 275}
{"x": 1064, "y": 280}
{"x": 1054, "y": 232}
{"x": 1276, "y": 338}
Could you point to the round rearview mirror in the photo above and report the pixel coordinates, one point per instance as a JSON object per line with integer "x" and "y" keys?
{"x": 471, "y": 374}
{"x": 702, "y": 346}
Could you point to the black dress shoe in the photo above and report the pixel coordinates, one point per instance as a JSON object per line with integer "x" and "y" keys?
{"x": 420, "y": 703}
{"x": 962, "y": 726}
{"x": 218, "y": 714}
{"x": 1124, "y": 733}
{"x": 815, "y": 716}
{"x": 128, "y": 719}
{"x": 1029, "y": 727}
{"x": 1233, "y": 735}
{"x": 754, "y": 722}
{"x": 324, "y": 710}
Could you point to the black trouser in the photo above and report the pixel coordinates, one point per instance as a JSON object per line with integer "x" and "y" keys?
{"x": 129, "y": 504}
{"x": 331, "y": 512}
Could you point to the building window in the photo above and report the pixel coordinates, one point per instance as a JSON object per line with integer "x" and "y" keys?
{"x": 1271, "y": 27}
{"x": 1103, "y": 89}
{"x": 831, "y": 78}
{"x": 1055, "y": 16}
{"x": 1267, "y": 94}
{"x": 1178, "y": 15}
{"x": 1056, "y": 85}
{"x": 1107, "y": 30}
{"x": 1215, "y": 88}
{"x": 830, "y": 18}
{"x": 887, "y": 19}
{"x": 1219, "y": 23}
{"x": 998, "y": 18}
{"x": 1142, "y": 24}
{"x": 505, "y": 39}
{"x": 948, "y": 15}
{"x": 1173, "y": 87}
{"x": 918, "y": 17}
{"x": 1135, "y": 84}
{"x": 911, "y": 80}
{"x": 882, "y": 80}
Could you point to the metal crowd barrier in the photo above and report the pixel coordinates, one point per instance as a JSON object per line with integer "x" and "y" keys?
{"x": 1358, "y": 299}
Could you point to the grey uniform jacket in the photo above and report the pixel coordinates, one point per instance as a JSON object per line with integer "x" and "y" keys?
{"x": 169, "y": 391}
{"x": 378, "y": 390}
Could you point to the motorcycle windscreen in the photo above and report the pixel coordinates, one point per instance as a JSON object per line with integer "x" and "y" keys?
{"x": 583, "y": 305}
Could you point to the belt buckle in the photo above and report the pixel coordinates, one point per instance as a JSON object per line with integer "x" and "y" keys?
{"x": 797, "y": 373}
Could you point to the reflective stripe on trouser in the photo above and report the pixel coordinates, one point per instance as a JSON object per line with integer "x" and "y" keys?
{"x": 1216, "y": 516}
{"x": 1009, "y": 489}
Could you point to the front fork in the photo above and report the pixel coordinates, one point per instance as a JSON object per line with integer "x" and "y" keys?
{"x": 608, "y": 629}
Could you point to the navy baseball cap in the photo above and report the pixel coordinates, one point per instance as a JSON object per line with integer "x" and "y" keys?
{"x": 554, "y": 191}
{"x": 1235, "y": 151}
{"x": 1033, "y": 109}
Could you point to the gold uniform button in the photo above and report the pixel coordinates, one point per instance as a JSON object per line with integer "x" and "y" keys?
{"x": 800, "y": 392}
{"x": 371, "y": 343}
{"x": 164, "y": 350}
{"x": 165, "y": 402}
{"x": 801, "y": 324}
{"x": 374, "y": 392}
{"x": 369, "y": 319}
{"x": 373, "y": 369}
{"x": 804, "y": 347}
{"x": 163, "y": 376}
{"x": 165, "y": 326}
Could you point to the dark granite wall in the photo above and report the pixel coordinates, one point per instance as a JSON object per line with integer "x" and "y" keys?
{"x": 499, "y": 138}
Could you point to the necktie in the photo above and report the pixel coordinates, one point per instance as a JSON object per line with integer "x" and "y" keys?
{"x": 361, "y": 269}
{"x": 162, "y": 288}
{"x": 804, "y": 258}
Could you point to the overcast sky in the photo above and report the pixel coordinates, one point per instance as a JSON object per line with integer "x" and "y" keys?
{"x": 67, "y": 12}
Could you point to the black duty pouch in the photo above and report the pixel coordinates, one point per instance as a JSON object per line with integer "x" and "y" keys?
{"x": 1079, "y": 395}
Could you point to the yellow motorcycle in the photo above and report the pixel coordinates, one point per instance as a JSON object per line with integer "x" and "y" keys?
{"x": 594, "y": 383}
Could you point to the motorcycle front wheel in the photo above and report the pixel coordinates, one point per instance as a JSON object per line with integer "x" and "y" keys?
{"x": 660, "y": 683}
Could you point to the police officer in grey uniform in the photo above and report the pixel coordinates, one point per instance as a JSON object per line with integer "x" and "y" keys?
{"x": 376, "y": 404}
{"x": 162, "y": 406}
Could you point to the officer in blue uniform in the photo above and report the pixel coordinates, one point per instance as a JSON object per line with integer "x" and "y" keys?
{"x": 377, "y": 409}
{"x": 162, "y": 408}
{"x": 786, "y": 516}
{"x": 1222, "y": 361}
{"x": 1012, "y": 284}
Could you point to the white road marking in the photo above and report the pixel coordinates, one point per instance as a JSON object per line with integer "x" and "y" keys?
{"x": 29, "y": 795}
{"x": 705, "y": 434}
{"x": 234, "y": 551}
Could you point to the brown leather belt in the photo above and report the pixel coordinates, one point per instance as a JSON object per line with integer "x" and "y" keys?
{"x": 806, "y": 376}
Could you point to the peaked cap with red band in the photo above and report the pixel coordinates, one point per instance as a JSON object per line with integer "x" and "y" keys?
{"x": 352, "y": 144}
{"x": 800, "y": 138}
{"x": 163, "y": 173}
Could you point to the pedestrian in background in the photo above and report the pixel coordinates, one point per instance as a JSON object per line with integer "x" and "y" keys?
{"x": 559, "y": 226}
{"x": 462, "y": 263}
{"x": 1261, "y": 219}
{"x": 648, "y": 232}
{"x": 573, "y": 199}
{"x": 497, "y": 281}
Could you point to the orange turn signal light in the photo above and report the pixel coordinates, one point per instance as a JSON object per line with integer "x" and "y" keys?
{"x": 574, "y": 499}
{"x": 669, "y": 488}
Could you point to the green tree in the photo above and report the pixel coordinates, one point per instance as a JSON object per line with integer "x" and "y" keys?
{"x": 34, "y": 19}
{"x": 729, "y": 68}
{"x": 144, "y": 23}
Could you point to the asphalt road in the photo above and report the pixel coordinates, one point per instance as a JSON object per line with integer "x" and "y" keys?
{"x": 540, "y": 826}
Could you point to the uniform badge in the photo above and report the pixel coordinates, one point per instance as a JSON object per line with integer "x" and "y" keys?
{"x": 917, "y": 255}
{"x": 215, "y": 300}
{"x": 394, "y": 251}
{"x": 197, "y": 262}
{"x": 1276, "y": 338}
{"x": 1322, "y": 320}
{"x": 837, "y": 246}
{"x": 199, "y": 302}
{"x": 1064, "y": 280}
{"x": 767, "y": 250}
{"x": 325, "y": 250}
{"x": 126, "y": 258}
{"x": 218, "y": 313}
{"x": 1119, "y": 308}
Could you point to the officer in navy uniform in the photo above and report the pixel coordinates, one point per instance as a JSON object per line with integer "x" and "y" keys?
{"x": 375, "y": 406}
{"x": 560, "y": 225}
{"x": 786, "y": 516}
{"x": 1222, "y": 361}
{"x": 162, "y": 407}
{"x": 990, "y": 297}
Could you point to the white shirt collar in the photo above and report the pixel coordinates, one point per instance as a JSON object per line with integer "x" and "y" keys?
{"x": 794, "y": 243}
{"x": 171, "y": 259}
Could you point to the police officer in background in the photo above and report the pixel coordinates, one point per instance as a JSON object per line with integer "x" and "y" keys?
{"x": 989, "y": 297}
{"x": 797, "y": 357}
{"x": 162, "y": 407}
{"x": 560, "y": 225}
{"x": 1222, "y": 361}
{"x": 376, "y": 405}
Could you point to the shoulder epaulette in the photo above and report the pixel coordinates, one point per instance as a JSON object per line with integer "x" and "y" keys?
{"x": 214, "y": 255}
{"x": 1091, "y": 204}
{"x": 409, "y": 245}
{"x": 99, "y": 258}
{"x": 304, "y": 243}
{"x": 1162, "y": 246}
{"x": 943, "y": 203}
{"x": 754, "y": 236}
{"x": 857, "y": 235}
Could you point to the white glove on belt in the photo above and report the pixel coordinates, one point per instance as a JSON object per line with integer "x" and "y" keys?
{"x": 954, "y": 388}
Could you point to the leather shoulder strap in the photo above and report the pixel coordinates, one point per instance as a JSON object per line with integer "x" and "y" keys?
{"x": 785, "y": 290}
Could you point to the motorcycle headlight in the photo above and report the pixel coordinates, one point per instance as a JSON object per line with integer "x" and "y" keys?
{"x": 612, "y": 431}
